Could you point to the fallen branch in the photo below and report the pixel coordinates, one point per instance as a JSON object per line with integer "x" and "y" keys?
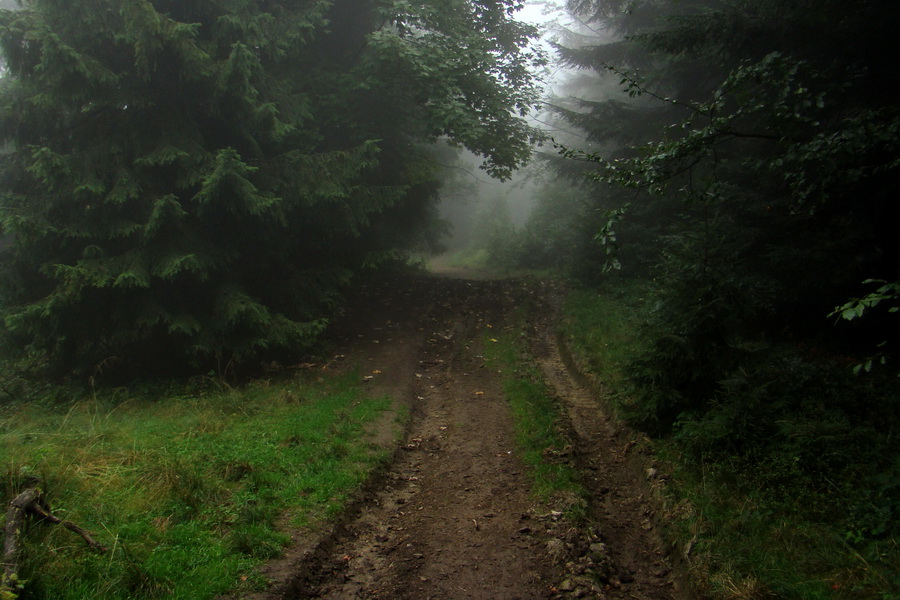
{"x": 29, "y": 502}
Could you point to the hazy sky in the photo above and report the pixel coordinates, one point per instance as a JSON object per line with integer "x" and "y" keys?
{"x": 534, "y": 12}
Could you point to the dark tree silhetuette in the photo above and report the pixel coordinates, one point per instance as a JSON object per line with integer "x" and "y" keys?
{"x": 194, "y": 182}
{"x": 758, "y": 140}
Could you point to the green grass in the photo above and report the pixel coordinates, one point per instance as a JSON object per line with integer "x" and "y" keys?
{"x": 537, "y": 416}
{"x": 751, "y": 545}
{"x": 469, "y": 258}
{"x": 186, "y": 491}
{"x": 477, "y": 263}
{"x": 757, "y": 528}
{"x": 599, "y": 327}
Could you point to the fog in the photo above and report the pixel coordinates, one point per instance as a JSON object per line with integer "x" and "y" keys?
{"x": 470, "y": 197}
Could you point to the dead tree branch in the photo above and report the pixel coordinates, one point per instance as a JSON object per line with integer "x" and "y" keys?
{"x": 30, "y": 502}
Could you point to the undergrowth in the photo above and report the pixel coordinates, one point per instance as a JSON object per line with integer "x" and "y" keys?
{"x": 600, "y": 326}
{"x": 539, "y": 435}
{"x": 189, "y": 492}
{"x": 786, "y": 485}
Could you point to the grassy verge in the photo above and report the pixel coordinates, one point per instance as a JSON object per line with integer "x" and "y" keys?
{"x": 541, "y": 441}
{"x": 600, "y": 329}
{"x": 750, "y": 543}
{"x": 771, "y": 522}
{"x": 187, "y": 491}
{"x": 477, "y": 263}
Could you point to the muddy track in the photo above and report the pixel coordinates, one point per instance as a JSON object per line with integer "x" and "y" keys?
{"x": 621, "y": 483}
{"x": 453, "y": 516}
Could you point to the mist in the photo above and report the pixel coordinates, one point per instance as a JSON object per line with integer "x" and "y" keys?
{"x": 260, "y": 257}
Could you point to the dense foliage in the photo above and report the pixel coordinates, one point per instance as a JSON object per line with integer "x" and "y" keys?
{"x": 192, "y": 182}
{"x": 783, "y": 161}
{"x": 758, "y": 142}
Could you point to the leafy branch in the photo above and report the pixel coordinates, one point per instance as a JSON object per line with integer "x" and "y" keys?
{"x": 608, "y": 239}
{"x": 764, "y": 101}
{"x": 855, "y": 308}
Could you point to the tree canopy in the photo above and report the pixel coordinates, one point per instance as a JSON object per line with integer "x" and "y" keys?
{"x": 192, "y": 182}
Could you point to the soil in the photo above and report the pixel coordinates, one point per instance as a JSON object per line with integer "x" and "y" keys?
{"x": 453, "y": 516}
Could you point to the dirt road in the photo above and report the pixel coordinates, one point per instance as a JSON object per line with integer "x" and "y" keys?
{"x": 454, "y": 516}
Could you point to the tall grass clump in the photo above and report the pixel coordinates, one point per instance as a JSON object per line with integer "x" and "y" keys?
{"x": 189, "y": 492}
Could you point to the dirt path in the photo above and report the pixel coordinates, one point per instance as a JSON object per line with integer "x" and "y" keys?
{"x": 454, "y": 516}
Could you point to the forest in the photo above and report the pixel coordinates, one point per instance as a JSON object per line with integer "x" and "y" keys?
{"x": 194, "y": 194}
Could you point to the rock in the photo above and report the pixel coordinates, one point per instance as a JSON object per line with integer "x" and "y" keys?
{"x": 556, "y": 550}
{"x": 567, "y": 586}
{"x": 582, "y": 586}
{"x": 576, "y": 568}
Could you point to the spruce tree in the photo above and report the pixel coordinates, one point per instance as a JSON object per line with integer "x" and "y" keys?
{"x": 192, "y": 183}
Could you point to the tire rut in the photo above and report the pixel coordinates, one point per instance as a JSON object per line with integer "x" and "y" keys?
{"x": 452, "y": 518}
{"x": 621, "y": 508}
